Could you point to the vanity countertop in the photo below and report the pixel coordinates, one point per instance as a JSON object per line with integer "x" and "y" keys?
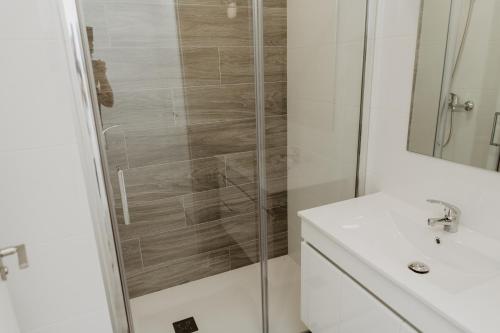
{"x": 386, "y": 234}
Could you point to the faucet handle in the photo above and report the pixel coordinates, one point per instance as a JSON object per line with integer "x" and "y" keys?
{"x": 452, "y": 210}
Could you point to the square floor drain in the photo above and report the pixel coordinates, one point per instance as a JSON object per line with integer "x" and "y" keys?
{"x": 187, "y": 325}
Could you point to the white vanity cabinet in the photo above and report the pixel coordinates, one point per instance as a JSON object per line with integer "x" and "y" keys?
{"x": 332, "y": 302}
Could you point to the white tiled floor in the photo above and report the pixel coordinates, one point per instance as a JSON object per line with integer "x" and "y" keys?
{"x": 226, "y": 303}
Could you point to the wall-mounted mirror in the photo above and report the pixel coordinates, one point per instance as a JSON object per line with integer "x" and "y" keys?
{"x": 456, "y": 93}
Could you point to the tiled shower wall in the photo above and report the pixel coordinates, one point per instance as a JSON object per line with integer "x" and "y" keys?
{"x": 182, "y": 129}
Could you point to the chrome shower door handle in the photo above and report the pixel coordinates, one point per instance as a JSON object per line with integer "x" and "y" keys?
{"x": 22, "y": 258}
{"x": 123, "y": 196}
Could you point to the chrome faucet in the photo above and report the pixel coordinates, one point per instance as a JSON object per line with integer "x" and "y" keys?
{"x": 450, "y": 219}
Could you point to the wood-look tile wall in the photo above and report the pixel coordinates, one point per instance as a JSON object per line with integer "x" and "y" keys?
{"x": 182, "y": 128}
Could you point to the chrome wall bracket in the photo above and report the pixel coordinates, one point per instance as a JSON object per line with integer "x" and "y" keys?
{"x": 22, "y": 259}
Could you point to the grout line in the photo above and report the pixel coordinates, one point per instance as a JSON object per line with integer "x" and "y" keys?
{"x": 197, "y": 225}
{"x": 151, "y": 268}
{"x": 183, "y": 203}
{"x": 220, "y": 66}
{"x": 225, "y": 170}
{"x": 140, "y": 252}
{"x": 181, "y": 197}
{"x": 164, "y": 4}
{"x": 174, "y": 162}
{"x": 168, "y": 263}
{"x": 202, "y": 124}
{"x": 134, "y": 127}
{"x": 221, "y": 85}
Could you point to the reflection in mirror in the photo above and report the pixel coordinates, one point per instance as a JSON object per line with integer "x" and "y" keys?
{"x": 456, "y": 89}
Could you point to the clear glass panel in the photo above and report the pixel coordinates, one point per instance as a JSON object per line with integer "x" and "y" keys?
{"x": 176, "y": 96}
{"x": 312, "y": 150}
{"x": 176, "y": 87}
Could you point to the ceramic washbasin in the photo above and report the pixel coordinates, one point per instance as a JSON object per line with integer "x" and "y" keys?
{"x": 387, "y": 234}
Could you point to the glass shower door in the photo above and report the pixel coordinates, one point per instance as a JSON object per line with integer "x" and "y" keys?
{"x": 319, "y": 61}
{"x": 211, "y": 149}
{"x": 176, "y": 96}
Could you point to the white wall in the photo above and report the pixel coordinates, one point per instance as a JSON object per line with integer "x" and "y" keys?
{"x": 43, "y": 200}
{"x": 391, "y": 168}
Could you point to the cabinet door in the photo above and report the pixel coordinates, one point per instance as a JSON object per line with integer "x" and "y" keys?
{"x": 361, "y": 312}
{"x": 320, "y": 292}
{"x": 331, "y": 302}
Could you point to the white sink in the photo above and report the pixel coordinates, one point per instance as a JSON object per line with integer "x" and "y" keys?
{"x": 458, "y": 261}
{"x": 387, "y": 234}
{"x": 400, "y": 233}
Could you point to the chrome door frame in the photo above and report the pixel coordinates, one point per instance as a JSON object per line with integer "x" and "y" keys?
{"x": 371, "y": 7}
{"x": 93, "y": 159}
{"x": 258, "y": 46}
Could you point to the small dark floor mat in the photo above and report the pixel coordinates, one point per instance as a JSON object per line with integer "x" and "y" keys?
{"x": 187, "y": 325}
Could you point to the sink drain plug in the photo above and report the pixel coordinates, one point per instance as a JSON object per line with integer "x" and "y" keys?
{"x": 419, "y": 267}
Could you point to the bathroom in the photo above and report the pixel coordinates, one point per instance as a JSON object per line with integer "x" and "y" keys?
{"x": 277, "y": 166}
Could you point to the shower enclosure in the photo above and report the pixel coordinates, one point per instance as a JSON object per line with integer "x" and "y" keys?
{"x": 220, "y": 120}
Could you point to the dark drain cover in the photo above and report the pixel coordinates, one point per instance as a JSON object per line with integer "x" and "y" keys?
{"x": 187, "y": 325}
